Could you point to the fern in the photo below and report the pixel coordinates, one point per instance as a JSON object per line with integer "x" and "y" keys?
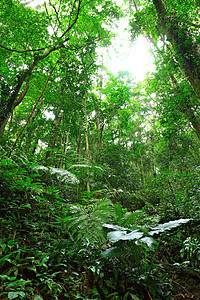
{"x": 61, "y": 174}
{"x": 133, "y": 219}
{"x": 86, "y": 221}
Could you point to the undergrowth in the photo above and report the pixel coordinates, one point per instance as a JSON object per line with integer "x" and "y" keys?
{"x": 54, "y": 248}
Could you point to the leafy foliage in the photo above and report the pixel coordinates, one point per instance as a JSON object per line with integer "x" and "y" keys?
{"x": 99, "y": 174}
{"x": 64, "y": 175}
{"x": 85, "y": 222}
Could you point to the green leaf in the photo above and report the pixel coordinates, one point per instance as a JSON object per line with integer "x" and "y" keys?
{"x": 66, "y": 219}
{"x": 134, "y": 297}
{"x": 168, "y": 226}
{"x": 151, "y": 243}
{"x": 13, "y": 295}
{"x": 25, "y": 205}
{"x": 63, "y": 175}
{"x": 37, "y": 297}
{"x": 3, "y": 277}
{"x": 126, "y": 296}
{"x": 116, "y": 227}
{"x": 111, "y": 252}
{"x": 116, "y": 236}
{"x": 32, "y": 268}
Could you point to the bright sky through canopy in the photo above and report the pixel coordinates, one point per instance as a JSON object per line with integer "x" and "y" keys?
{"x": 123, "y": 55}
{"x": 132, "y": 57}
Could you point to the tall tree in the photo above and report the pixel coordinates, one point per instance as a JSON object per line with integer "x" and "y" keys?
{"x": 29, "y": 37}
{"x": 182, "y": 36}
{"x": 173, "y": 29}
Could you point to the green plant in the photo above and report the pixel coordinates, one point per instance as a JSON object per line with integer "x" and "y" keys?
{"x": 84, "y": 221}
{"x": 61, "y": 174}
{"x": 136, "y": 250}
{"x": 191, "y": 251}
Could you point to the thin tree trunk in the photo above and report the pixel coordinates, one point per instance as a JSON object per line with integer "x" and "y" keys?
{"x": 53, "y": 137}
{"x": 87, "y": 145}
{"x": 142, "y": 167}
{"x": 78, "y": 141}
{"x": 65, "y": 146}
{"x": 99, "y": 126}
{"x": 139, "y": 172}
{"x": 67, "y": 139}
{"x": 31, "y": 132}
{"x": 152, "y": 157}
{"x": 34, "y": 107}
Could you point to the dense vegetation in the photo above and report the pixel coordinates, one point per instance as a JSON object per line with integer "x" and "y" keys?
{"x": 99, "y": 175}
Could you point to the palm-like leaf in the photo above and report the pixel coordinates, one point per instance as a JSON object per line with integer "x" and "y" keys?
{"x": 86, "y": 220}
{"x": 61, "y": 174}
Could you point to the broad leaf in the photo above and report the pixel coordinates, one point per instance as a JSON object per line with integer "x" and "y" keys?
{"x": 168, "y": 226}
{"x": 116, "y": 236}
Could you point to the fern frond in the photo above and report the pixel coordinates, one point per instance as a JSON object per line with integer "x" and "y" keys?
{"x": 80, "y": 166}
{"x": 62, "y": 174}
{"x": 86, "y": 221}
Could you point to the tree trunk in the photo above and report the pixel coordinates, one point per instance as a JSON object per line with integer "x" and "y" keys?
{"x": 29, "y": 130}
{"x": 142, "y": 168}
{"x": 183, "y": 44}
{"x": 186, "y": 108}
{"x": 78, "y": 140}
{"x": 53, "y": 137}
{"x": 99, "y": 125}
{"x": 153, "y": 169}
{"x": 194, "y": 120}
{"x": 16, "y": 103}
{"x": 189, "y": 59}
{"x": 87, "y": 145}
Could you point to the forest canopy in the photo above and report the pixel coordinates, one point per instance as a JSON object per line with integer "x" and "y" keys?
{"x": 99, "y": 173}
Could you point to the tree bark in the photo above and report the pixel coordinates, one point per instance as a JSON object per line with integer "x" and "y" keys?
{"x": 17, "y": 102}
{"x": 87, "y": 145}
{"x": 99, "y": 125}
{"x": 183, "y": 44}
{"x": 9, "y": 94}
{"x": 31, "y": 132}
{"x": 186, "y": 108}
{"x": 53, "y": 137}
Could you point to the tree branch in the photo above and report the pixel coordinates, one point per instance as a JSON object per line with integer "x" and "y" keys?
{"x": 74, "y": 22}
{"x": 57, "y": 16}
{"x": 46, "y": 8}
{"x": 64, "y": 33}
{"x": 21, "y": 97}
{"x": 20, "y": 78}
{"x": 22, "y": 51}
